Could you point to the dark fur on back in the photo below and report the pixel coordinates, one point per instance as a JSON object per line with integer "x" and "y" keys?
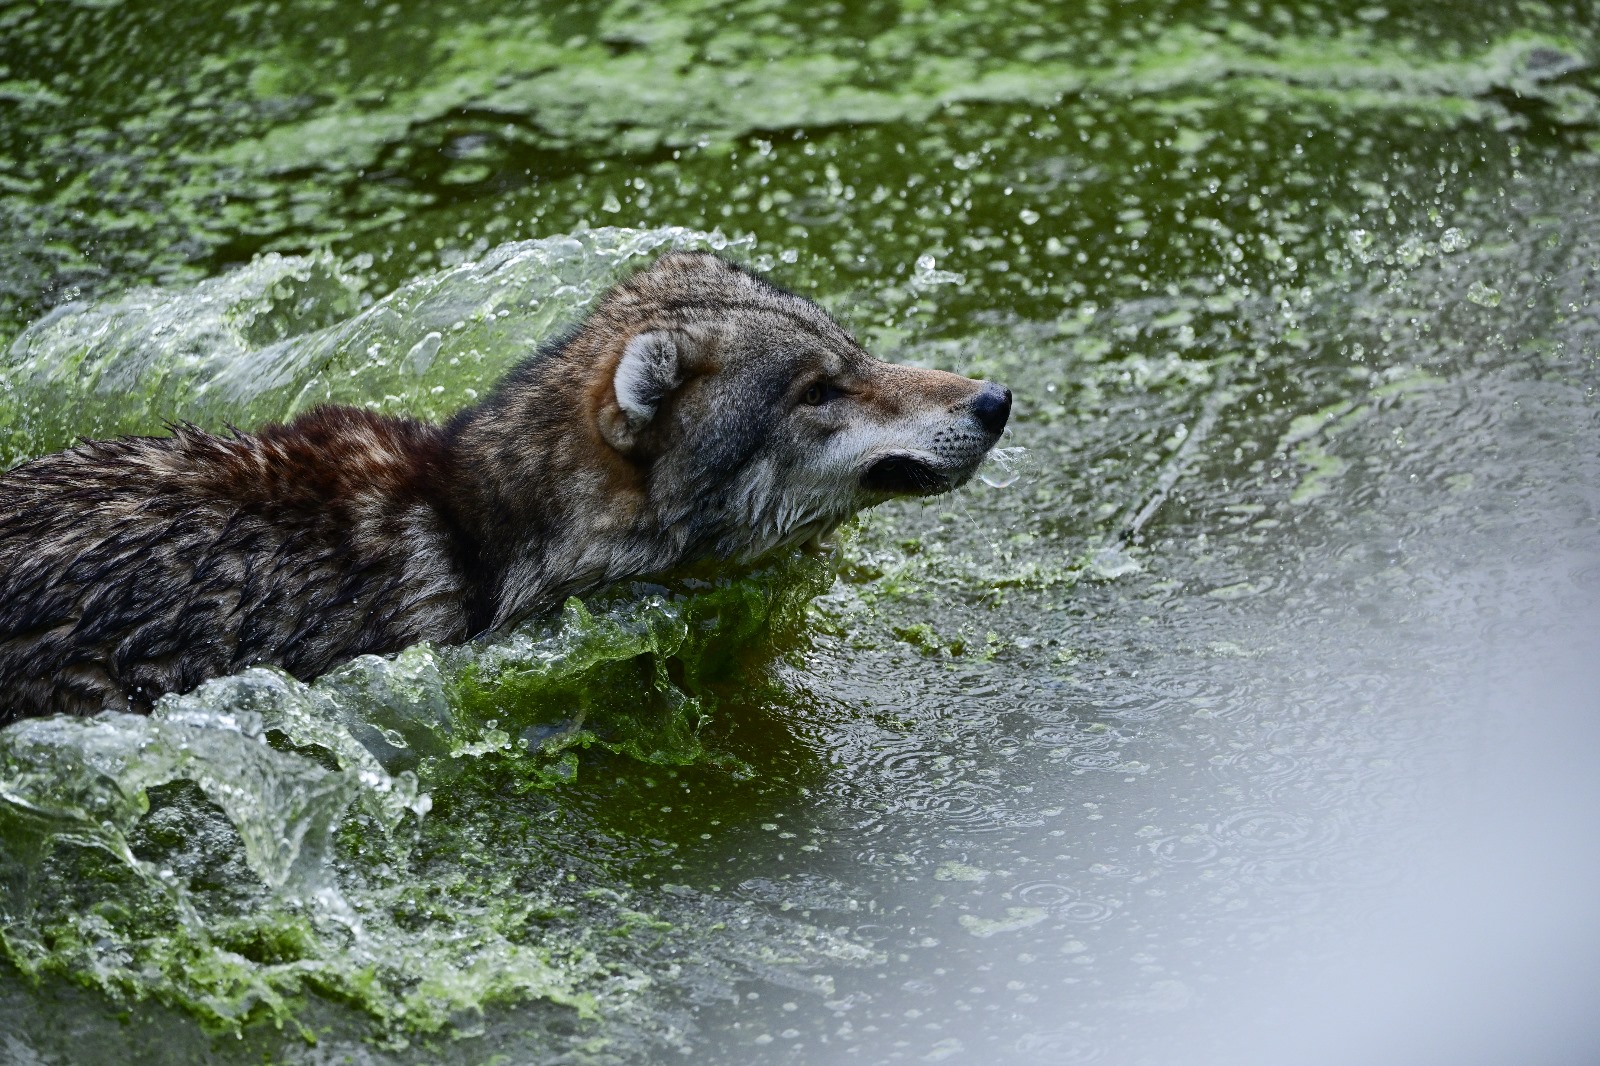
{"x": 676, "y": 423}
{"x": 147, "y": 565}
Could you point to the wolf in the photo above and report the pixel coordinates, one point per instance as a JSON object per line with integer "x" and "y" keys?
{"x": 699, "y": 412}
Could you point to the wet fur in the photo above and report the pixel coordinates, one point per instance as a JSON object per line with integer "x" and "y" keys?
{"x": 671, "y": 426}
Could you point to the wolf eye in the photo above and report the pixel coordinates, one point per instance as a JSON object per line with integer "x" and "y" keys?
{"x": 815, "y": 394}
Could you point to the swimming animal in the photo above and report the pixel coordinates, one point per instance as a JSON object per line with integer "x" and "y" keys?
{"x": 699, "y": 412}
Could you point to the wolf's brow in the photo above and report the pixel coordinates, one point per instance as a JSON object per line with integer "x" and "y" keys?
{"x": 804, "y": 323}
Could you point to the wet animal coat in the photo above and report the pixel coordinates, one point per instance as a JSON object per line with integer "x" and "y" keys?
{"x": 699, "y": 412}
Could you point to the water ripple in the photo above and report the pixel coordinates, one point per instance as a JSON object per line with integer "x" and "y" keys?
{"x": 1266, "y": 830}
{"x": 1066, "y": 1047}
{"x": 1064, "y": 902}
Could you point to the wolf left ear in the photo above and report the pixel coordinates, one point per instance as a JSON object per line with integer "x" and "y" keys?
{"x": 652, "y": 365}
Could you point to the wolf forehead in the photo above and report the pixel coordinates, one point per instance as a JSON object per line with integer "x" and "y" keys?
{"x": 724, "y": 320}
{"x": 687, "y": 289}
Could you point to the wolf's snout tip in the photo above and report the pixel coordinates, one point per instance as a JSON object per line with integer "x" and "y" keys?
{"x": 992, "y": 406}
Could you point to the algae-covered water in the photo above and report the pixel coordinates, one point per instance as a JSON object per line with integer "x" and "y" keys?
{"x": 1100, "y": 759}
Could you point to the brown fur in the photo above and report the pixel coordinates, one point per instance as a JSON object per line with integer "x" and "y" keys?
{"x": 698, "y": 413}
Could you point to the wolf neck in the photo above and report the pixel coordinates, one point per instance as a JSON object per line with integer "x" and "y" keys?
{"x": 551, "y": 508}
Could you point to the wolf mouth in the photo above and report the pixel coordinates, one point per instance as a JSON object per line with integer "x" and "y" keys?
{"x": 906, "y": 475}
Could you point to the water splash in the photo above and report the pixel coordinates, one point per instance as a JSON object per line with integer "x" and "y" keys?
{"x": 278, "y": 337}
{"x": 302, "y": 778}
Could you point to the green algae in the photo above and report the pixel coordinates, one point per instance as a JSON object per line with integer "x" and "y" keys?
{"x": 667, "y": 96}
{"x": 639, "y": 685}
{"x": 253, "y": 139}
{"x": 1016, "y": 919}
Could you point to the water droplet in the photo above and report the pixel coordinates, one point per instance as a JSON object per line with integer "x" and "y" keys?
{"x": 1483, "y": 295}
{"x": 1003, "y": 467}
{"x": 927, "y": 273}
{"x": 421, "y": 355}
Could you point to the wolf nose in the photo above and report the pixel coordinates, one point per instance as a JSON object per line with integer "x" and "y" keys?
{"x": 992, "y": 406}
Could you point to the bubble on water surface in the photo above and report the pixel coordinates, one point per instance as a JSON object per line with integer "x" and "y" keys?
{"x": 421, "y": 355}
{"x": 1454, "y": 240}
{"x": 1114, "y": 561}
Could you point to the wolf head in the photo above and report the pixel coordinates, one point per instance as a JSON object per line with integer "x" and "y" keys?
{"x": 701, "y": 411}
{"x": 762, "y": 422}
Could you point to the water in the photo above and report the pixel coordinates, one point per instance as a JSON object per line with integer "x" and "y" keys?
{"x": 1152, "y": 745}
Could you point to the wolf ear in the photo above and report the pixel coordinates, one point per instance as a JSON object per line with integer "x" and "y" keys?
{"x": 652, "y": 365}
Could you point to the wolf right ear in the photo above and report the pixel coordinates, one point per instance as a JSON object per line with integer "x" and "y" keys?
{"x": 652, "y": 365}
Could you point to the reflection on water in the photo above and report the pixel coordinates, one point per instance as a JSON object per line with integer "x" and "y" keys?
{"x": 1208, "y": 702}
